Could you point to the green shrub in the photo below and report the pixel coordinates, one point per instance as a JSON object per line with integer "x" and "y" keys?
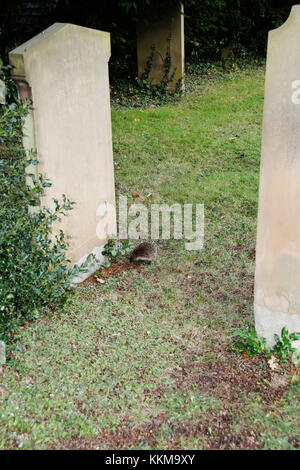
{"x": 33, "y": 266}
{"x": 11, "y": 93}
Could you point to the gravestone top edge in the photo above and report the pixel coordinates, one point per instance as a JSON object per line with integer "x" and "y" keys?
{"x": 53, "y": 30}
{"x": 294, "y": 16}
{"x": 17, "y": 55}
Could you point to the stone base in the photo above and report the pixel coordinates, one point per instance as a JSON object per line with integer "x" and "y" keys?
{"x": 269, "y": 322}
{"x": 92, "y": 267}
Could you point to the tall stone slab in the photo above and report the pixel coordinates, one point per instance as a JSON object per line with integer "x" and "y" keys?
{"x": 64, "y": 71}
{"x": 277, "y": 277}
{"x": 157, "y": 33}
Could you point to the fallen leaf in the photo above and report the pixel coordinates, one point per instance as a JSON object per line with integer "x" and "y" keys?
{"x": 273, "y": 364}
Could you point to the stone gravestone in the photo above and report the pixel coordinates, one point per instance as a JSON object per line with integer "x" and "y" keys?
{"x": 64, "y": 71}
{"x": 157, "y": 33}
{"x": 277, "y": 277}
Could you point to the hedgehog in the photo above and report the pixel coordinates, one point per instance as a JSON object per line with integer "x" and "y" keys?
{"x": 145, "y": 251}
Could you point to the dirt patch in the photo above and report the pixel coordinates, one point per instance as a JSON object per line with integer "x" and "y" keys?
{"x": 213, "y": 432}
{"x": 217, "y": 432}
{"x": 229, "y": 377}
{"x": 113, "y": 270}
{"x": 124, "y": 437}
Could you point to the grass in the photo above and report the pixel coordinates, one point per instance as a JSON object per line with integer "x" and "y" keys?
{"x": 144, "y": 360}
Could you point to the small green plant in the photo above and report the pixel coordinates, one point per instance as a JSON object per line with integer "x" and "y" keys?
{"x": 284, "y": 349}
{"x": 114, "y": 249}
{"x": 247, "y": 340}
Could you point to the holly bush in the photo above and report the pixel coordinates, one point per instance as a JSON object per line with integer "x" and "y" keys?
{"x": 34, "y": 271}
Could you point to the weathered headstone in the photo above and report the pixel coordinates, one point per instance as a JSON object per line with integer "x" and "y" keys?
{"x": 64, "y": 70}
{"x": 168, "y": 30}
{"x": 277, "y": 278}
